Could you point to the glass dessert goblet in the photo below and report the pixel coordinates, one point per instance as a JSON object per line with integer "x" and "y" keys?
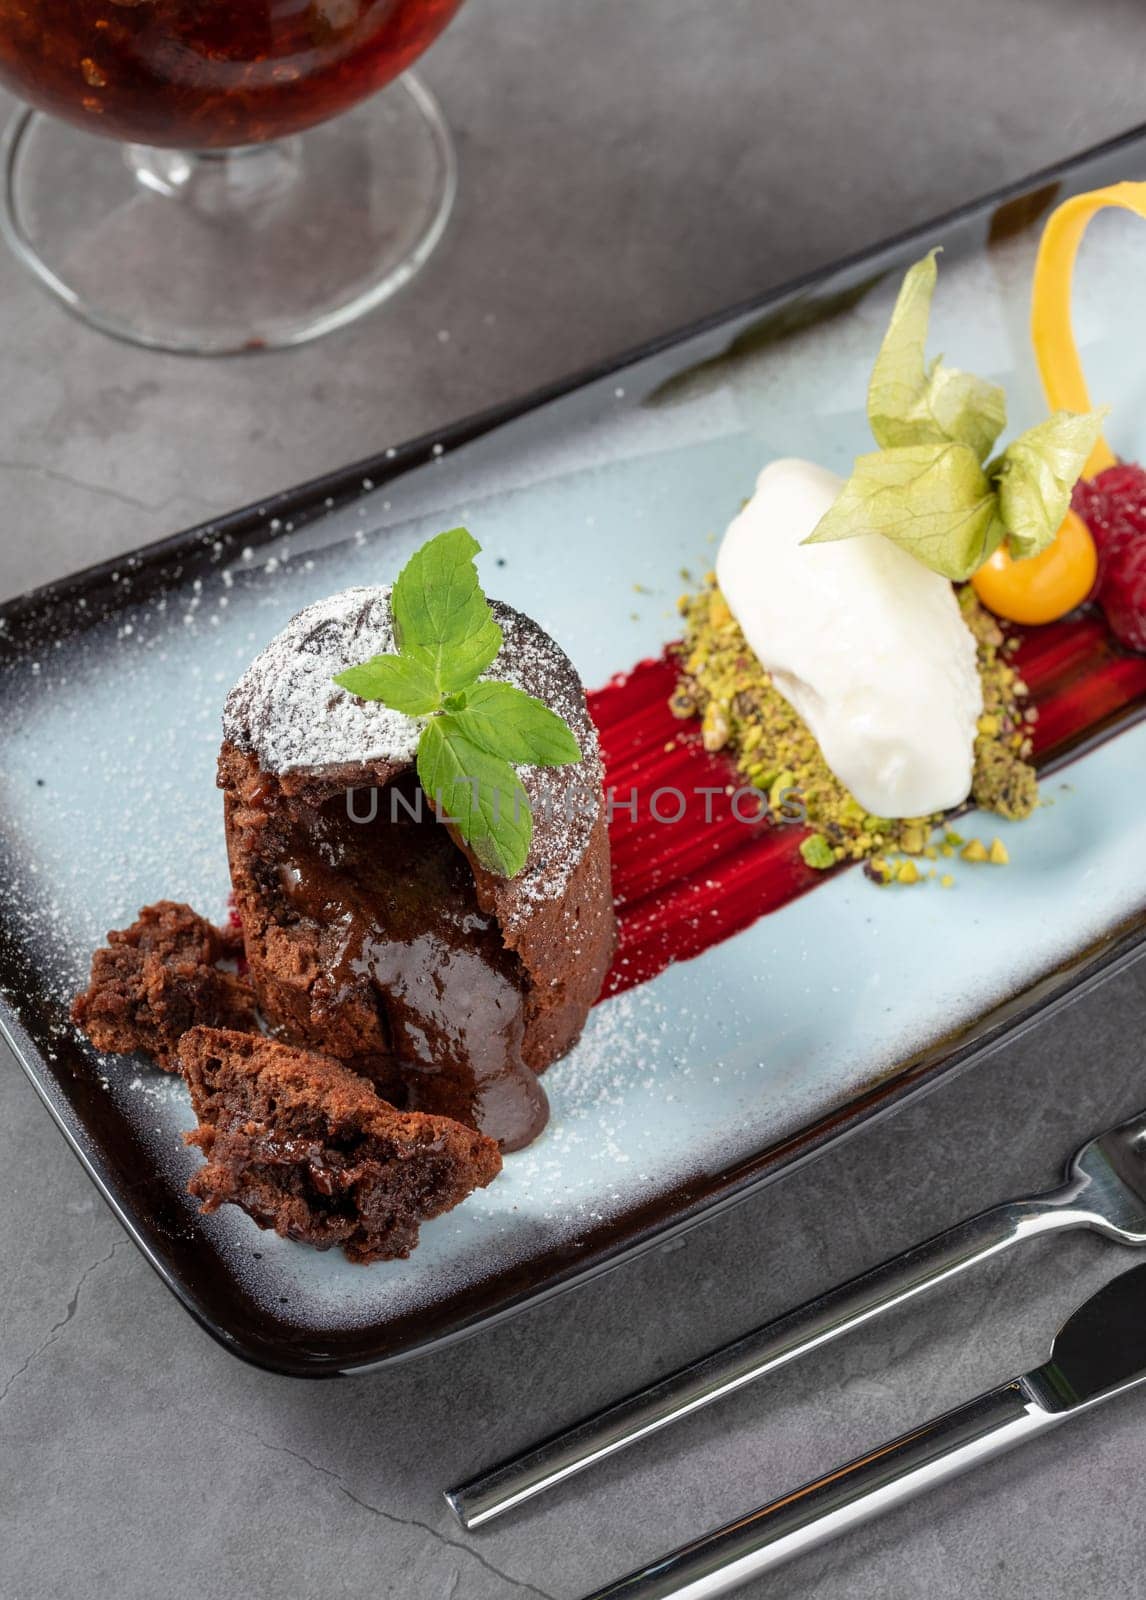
{"x": 250, "y": 188}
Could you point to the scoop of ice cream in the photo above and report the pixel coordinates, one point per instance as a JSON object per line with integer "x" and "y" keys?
{"x": 866, "y": 643}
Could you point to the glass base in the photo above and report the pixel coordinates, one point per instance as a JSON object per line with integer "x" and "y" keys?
{"x": 210, "y": 253}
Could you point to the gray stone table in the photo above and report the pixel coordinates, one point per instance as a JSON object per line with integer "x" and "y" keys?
{"x": 627, "y": 165}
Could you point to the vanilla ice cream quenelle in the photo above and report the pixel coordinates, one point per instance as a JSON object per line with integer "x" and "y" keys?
{"x": 864, "y": 641}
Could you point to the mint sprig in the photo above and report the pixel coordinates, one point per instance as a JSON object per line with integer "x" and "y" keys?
{"x": 506, "y": 721}
{"x": 447, "y": 637}
{"x": 399, "y": 681}
{"x": 442, "y": 620}
{"x": 478, "y": 791}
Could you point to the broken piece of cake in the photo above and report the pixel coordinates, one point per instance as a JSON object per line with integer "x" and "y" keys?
{"x": 154, "y": 980}
{"x": 306, "y": 1147}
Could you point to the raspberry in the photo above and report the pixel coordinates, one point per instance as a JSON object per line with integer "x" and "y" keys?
{"x": 1113, "y": 506}
{"x": 1124, "y": 593}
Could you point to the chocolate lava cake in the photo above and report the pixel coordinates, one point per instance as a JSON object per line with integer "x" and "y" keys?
{"x": 384, "y": 942}
{"x": 306, "y": 1147}
{"x": 154, "y": 980}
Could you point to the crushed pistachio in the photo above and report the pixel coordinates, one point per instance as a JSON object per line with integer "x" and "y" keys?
{"x": 974, "y": 850}
{"x": 741, "y": 711}
{"x": 779, "y": 789}
{"x": 907, "y": 872}
{"x": 817, "y": 852}
{"x": 1004, "y": 781}
{"x": 997, "y": 854}
{"x": 682, "y": 704}
{"x": 715, "y": 728}
{"x": 947, "y": 881}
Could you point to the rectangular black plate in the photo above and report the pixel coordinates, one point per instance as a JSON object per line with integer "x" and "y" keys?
{"x": 59, "y": 1066}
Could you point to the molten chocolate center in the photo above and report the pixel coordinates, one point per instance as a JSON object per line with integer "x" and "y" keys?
{"x": 399, "y": 903}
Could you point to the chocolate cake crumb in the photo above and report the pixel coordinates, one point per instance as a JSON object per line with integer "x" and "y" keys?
{"x": 153, "y": 981}
{"x": 305, "y": 1146}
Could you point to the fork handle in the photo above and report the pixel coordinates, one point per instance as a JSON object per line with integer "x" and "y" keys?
{"x": 762, "y": 1351}
{"x": 874, "y": 1483}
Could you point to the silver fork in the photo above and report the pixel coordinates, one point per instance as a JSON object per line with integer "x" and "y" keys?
{"x": 1104, "y": 1189}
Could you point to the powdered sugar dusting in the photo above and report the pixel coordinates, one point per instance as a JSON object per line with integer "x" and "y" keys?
{"x": 288, "y": 711}
{"x": 564, "y": 800}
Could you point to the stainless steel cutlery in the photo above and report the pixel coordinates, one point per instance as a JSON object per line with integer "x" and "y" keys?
{"x": 1104, "y": 1190}
{"x": 1100, "y": 1352}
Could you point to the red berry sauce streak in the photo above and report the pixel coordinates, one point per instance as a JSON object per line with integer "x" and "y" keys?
{"x": 682, "y": 886}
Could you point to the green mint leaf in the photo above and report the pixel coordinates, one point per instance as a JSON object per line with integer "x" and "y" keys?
{"x": 933, "y": 500}
{"x": 447, "y": 637}
{"x": 402, "y": 682}
{"x": 441, "y": 617}
{"x": 479, "y": 791}
{"x": 509, "y": 723}
{"x": 909, "y": 402}
{"x": 1036, "y": 473}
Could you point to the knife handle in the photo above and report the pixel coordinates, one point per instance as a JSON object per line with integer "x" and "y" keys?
{"x": 764, "y": 1350}
{"x": 872, "y": 1484}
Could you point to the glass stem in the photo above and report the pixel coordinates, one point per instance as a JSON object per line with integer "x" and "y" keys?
{"x": 218, "y": 183}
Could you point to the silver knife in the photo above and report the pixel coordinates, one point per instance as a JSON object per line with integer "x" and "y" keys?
{"x": 1099, "y": 1352}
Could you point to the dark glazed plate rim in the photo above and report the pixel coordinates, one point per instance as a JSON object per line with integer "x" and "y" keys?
{"x": 217, "y": 1303}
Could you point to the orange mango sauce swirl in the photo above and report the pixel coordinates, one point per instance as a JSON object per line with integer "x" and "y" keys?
{"x": 1047, "y": 586}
